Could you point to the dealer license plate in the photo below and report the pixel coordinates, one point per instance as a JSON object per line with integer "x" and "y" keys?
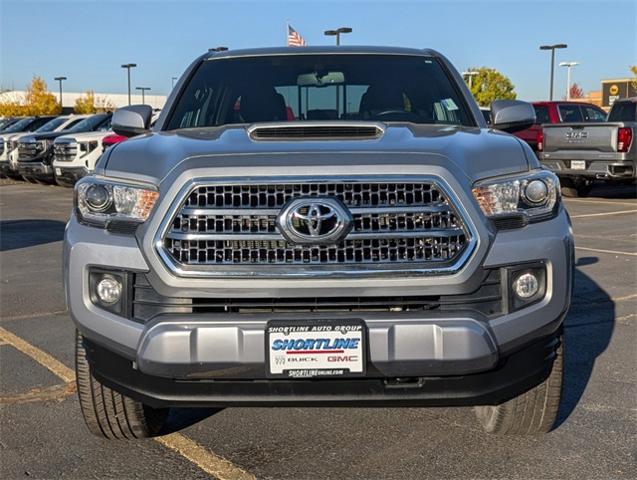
{"x": 310, "y": 349}
{"x": 58, "y": 171}
{"x": 578, "y": 165}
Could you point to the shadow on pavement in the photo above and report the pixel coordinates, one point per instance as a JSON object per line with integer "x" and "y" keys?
{"x": 180, "y": 418}
{"x": 16, "y": 234}
{"x": 605, "y": 190}
{"x": 588, "y": 329}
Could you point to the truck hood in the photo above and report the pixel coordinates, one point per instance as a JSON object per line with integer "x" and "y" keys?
{"x": 85, "y": 136}
{"x": 478, "y": 153}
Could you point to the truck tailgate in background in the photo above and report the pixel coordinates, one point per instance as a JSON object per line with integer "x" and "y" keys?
{"x": 601, "y": 137}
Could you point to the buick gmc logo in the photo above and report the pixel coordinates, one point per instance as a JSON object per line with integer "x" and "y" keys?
{"x": 314, "y": 220}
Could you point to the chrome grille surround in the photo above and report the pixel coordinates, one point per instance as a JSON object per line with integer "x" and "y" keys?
{"x": 27, "y": 149}
{"x": 65, "y": 151}
{"x": 402, "y": 225}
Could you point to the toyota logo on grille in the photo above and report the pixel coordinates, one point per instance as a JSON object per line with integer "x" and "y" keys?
{"x": 314, "y": 220}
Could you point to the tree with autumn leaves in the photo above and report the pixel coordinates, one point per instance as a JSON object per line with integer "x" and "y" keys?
{"x": 89, "y": 103}
{"x": 37, "y": 101}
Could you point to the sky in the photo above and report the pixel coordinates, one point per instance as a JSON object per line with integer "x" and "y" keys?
{"x": 88, "y": 40}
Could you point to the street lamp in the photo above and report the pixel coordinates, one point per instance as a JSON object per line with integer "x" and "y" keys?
{"x": 174, "y": 79}
{"x": 60, "y": 79}
{"x": 569, "y": 66}
{"x": 337, "y": 33}
{"x": 552, "y": 48}
{"x": 470, "y": 74}
{"x": 143, "y": 89}
{"x": 128, "y": 66}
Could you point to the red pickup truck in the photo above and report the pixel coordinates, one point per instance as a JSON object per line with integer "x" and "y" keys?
{"x": 558, "y": 112}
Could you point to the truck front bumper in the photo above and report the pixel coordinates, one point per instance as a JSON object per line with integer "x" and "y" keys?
{"x": 516, "y": 373}
{"x": 172, "y": 353}
{"x": 38, "y": 170}
{"x": 68, "y": 176}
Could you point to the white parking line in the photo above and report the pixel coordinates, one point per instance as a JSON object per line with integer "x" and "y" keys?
{"x": 206, "y": 460}
{"x": 603, "y": 214}
{"x": 614, "y": 252}
{"x": 569, "y": 200}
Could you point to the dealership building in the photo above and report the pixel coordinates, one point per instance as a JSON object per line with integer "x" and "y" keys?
{"x": 612, "y": 90}
{"x": 114, "y": 100}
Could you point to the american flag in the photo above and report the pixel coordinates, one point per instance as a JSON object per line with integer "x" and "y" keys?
{"x": 294, "y": 38}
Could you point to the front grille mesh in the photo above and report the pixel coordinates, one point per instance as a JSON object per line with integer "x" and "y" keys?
{"x": 392, "y": 223}
{"x": 65, "y": 152}
{"x": 27, "y": 151}
{"x": 351, "y": 194}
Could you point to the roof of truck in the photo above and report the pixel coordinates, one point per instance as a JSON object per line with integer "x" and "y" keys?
{"x": 320, "y": 50}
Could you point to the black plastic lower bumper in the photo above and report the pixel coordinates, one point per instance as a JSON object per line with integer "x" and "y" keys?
{"x": 69, "y": 176}
{"x": 514, "y": 375}
{"x": 38, "y": 170}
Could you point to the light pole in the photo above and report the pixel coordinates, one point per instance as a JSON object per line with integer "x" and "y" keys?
{"x": 128, "y": 66}
{"x": 60, "y": 79}
{"x": 470, "y": 74}
{"x": 552, "y": 48}
{"x": 143, "y": 89}
{"x": 174, "y": 79}
{"x": 569, "y": 66}
{"x": 337, "y": 33}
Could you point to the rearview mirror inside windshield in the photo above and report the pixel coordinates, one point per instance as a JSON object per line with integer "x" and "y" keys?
{"x": 316, "y": 79}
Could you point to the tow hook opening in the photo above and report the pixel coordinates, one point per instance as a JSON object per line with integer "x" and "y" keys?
{"x": 404, "y": 382}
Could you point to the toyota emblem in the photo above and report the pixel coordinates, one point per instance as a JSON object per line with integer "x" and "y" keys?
{"x": 314, "y": 220}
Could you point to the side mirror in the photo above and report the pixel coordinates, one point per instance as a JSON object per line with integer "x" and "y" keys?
{"x": 132, "y": 120}
{"x": 512, "y": 115}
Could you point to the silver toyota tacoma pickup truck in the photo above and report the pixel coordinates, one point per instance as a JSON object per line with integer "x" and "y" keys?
{"x": 319, "y": 226}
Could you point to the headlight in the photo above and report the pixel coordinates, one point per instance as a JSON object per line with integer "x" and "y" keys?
{"x": 103, "y": 203}
{"x": 88, "y": 147}
{"x": 43, "y": 145}
{"x": 535, "y": 196}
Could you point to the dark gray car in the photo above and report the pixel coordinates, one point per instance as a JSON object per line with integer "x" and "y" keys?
{"x": 319, "y": 226}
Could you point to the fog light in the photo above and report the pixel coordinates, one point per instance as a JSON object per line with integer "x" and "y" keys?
{"x": 526, "y": 285}
{"x": 109, "y": 290}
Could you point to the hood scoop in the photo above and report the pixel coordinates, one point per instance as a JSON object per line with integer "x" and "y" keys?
{"x": 316, "y": 131}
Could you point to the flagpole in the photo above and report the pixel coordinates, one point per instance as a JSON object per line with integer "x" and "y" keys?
{"x": 287, "y": 31}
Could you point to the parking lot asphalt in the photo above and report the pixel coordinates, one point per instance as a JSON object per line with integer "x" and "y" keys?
{"x": 42, "y": 434}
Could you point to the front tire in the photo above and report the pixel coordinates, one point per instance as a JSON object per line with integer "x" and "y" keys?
{"x": 534, "y": 412}
{"x": 110, "y": 414}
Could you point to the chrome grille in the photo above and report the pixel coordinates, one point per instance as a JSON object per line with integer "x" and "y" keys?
{"x": 220, "y": 228}
{"x": 27, "y": 151}
{"x": 65, "y": 152}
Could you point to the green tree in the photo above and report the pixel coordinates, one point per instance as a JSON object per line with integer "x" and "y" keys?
{"x": 487, "y": 85}
{"x": 634, "y": 70}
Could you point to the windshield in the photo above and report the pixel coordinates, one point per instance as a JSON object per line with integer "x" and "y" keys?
{"x": 384, "y": 88}
{"x": 623, "y": 112}
{"x": 52, "y": 125}
{"x": 92, "y": 123}
{"x": 19, "y": 125}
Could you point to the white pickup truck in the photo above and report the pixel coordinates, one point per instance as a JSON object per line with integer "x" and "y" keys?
{"x": 581, "y": 153}
{"x": 76, "y": 155}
